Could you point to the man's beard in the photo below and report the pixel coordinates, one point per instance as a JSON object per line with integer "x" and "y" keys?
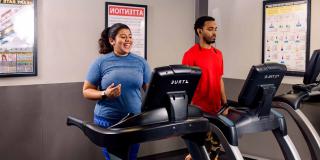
{"x": 209, "y": 41}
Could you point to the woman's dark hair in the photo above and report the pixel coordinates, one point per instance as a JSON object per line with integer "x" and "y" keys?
{"x": 109, "y": 32}
{"x": 201, "y": 21}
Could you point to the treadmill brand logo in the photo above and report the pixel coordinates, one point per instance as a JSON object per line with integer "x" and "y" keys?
{"x": 179, "y": 82}
{"x": 271, "y": 76}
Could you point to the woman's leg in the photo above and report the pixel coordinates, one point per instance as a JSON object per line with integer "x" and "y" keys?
{"x": 134, "y": 149}
{"x": 133, "y": 154}
{"x": 105, "y": 124}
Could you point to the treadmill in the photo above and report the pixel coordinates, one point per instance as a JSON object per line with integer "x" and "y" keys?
{"x": 166, "y": 112}
{"x": 252, "y": 113}
{"x": 308, "y": 91}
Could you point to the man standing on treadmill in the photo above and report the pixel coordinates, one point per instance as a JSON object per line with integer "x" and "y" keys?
{"x": 210, "y": 93}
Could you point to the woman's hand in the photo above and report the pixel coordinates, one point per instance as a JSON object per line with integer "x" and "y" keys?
{"x": 113, "y": 91}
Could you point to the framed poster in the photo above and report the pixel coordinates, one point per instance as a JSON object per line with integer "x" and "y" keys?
{"x": 286, "y": 34}
{"x": 135, "y": 17}
{"x": 17, "y": 38}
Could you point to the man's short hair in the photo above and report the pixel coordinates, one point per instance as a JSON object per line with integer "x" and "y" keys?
{"x": 201, "y": 21}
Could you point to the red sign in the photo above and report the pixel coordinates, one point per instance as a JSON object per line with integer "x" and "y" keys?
{"x": 126, "y": 11}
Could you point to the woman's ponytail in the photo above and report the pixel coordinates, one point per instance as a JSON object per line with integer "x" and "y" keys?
{"x": 104, "y": 44}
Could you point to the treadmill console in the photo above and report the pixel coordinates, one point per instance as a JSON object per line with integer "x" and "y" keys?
{"x": 312, "y": 74}
{"x": 260, "y": 86}
{"x": 172, "y": 87}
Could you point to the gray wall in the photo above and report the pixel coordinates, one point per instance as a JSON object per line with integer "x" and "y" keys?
{"x": 33, "y": 120}
{"x": 240, "y": 34}
{"x": 239, "y": 37}
{"x": 68, "y": 32}
{"x": 34, "y": 109}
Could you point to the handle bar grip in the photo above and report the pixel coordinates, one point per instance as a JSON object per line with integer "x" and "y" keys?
{"x": 74, "y": 121}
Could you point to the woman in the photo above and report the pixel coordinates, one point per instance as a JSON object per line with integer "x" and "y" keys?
{"x": 115, "y": 80}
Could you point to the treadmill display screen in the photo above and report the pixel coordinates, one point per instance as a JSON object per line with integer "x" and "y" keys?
{"x": 265, "y": 74}
{"x": 312, "y": 74}
{"x": 173, "y": 78}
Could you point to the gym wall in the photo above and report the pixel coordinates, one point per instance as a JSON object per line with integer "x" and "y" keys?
{"x": 240, "y": 34}
{"x": 239, "y": 38}
{"x": 68, "y": 32}
{"x": 33, "y": 110}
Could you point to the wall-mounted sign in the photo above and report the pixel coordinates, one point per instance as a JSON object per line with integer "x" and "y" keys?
{"x": 17, "y": 38}
{"x": 135, "y": 17}
{"x": 286, "y": 34}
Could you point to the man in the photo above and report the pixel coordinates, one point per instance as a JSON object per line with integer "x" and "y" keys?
{"x": 210, "y": 93}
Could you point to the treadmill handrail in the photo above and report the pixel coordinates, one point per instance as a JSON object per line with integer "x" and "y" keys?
{"x": 293, "y": 99}
{"x": 236, "y": 105}
{"x": 117, "y": 137}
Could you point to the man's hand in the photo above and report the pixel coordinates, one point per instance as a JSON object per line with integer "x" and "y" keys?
{"x": 226, "y": 111}
{"x": 188, "y": 157}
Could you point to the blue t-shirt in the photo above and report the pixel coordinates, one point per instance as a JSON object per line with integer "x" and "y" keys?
{"x": 131, "y": 71}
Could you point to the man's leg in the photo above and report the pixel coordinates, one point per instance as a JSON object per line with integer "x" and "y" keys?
{"x": 213, "y": 145}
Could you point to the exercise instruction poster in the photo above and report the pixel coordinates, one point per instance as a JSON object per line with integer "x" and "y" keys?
{"x": 133, "y": 16}
{"x": 286, "y": 38}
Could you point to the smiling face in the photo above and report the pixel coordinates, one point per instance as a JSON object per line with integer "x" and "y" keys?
{"x": 122, "y": 43}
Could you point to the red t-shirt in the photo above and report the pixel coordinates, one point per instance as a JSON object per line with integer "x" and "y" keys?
{"x": 208, "y": 93}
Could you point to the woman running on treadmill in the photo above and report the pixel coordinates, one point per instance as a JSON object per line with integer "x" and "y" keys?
{"x": 115, "y": 80}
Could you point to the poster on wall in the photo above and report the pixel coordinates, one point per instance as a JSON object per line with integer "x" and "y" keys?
{"x": 135, "y": 17}
{"x": 286, "y": 34}
{"x": 17, "y": 38}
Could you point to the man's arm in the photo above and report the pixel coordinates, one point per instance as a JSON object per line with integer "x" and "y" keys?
{"x": 223, "y": 97}
{"x": 223, "y": 93}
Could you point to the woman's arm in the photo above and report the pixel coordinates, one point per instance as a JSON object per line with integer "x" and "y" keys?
{"x": 90, "y": 91}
